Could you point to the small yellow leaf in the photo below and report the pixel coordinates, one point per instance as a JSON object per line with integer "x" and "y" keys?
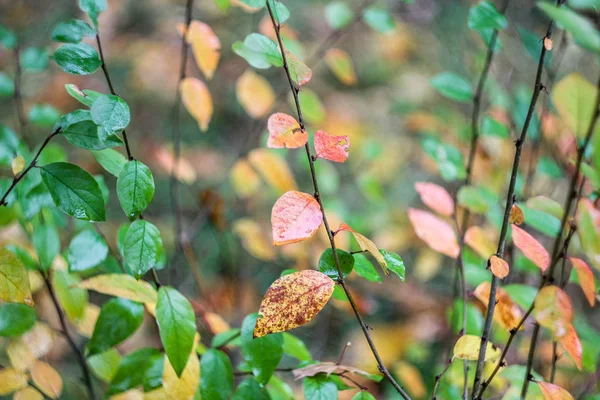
{"x": 244, "y": 179}
{"x": 554, "y": 392}
{"x": 17, "y": 165}
{"x": 46, "y": 379}
{"x": 253, "y": 239}
{"x": 254, "y": 93}
{"x": 183, "y": 388}
{"x": 206, "y": 47}
{"x": 28, "y": 393}
{"x": 340, "y": 64}
{"x": 11, "y": 380}
{"x": 14, "y": 279}
{"x": 467, "y": 348}
{"x": 19, "y": 355}
{"x": 273, "y": 169}
{"x": 411, "y": 378}
{"x": 197, "y": 101}
{"x": 516, "y": 215}
{"x": 120, "y": 285}
{"x": 548, "y": 44}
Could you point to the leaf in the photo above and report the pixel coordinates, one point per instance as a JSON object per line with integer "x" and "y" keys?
{"x": 16, "y": 319}
{"x": 553, "y": 392}
{"x": 313, "y": 109}
{"x": 328, "y": 267}
{"x": 74, "y": 191}
{"x": 17, "y": 165}
{"x": 319, "y": 387}
{"x": 79, "y": 129}
{"x": 217, "y": 375}
{"x": 364, "y": 268}
{"x": 142, "y": 247}
{"x": 121, "y": 285}
{"x": 135, "y": 188}
{"x": 295, "y": 347}
{"x": 498, "y": 266}
{"x": 329, "y": 368}
{"x": 553, "y": 310}
{"x": 395, "y": 264}
{"x": 253, "y": 239}
{"x": 93, "y": 8}
{"x": 87, "y": 97}
{"x": 87, "y": 250}
{"x": 262, "y": 353}
{"x": 197, "y": 100}
{"x": 506, "y": 313}
{"x": 14, "y": 281}
{"x": 72, "y": 31}
{"x": 34, "y": 59}
{"x": 185, "y": 385}
{"x": 111, "y": 113}
{"x": 435, "y": 232}
{"x": 379, "y": 19}
{"x": 583, "y": 31}
{"x": 118, "y": 320}
{"x": 531, "y": 248}
{"x": 467, "y": 348}
{"x": 111, "y": 160}
{"x": 72, "y": 299}
{"x": 135, "y": 369}
{"x": 435, "y": 197}
{"x": 254, "y": 93}
{"x": 77, "y": 59}
{"x": 28, "y": 393}
{"x": 472, "y": 198}
{"x": 292, "y": 301}
{"x": 571, "y": 97}
{"x": 177, "y": 327}
{"x": 259, "y": 51}
{"x": 367, "y": 245}
{"x": 46, "y": 241}
{"x": 280, "y": 11}
{"x": 585, "y": 276}
{"x": 363, "y": 395}
{"x": 43, "y": 115}
{"x": 572, "y": 345}
{"x": 285, "y": 132}
{"x": 479, "y": 240}
{"x": 453, "y": 86}
{"x": 299, "y": 71}
{"x": 46, "y": 379}
{"x": 250, "y": 389}
{"x": 273, "y": 169}
{"x": 340, "y": 64}
{"x": 492, "y": 127}
{"x": 333, "y": 148}
{"x": 206, "y": 47}
{"x": 11, "y": 380}
{"x": 485, "y": 15}
{"x": 85, "y": 325}
{"x": 295, "y": 216}
{"x": 338, "y": 14}
{"x": 516, "y": 215}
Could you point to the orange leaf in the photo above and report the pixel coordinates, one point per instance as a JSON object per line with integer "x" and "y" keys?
{"x": 572, "y": 345}
{"x": 435, "y": 197}
{"x": 553, "y": 310}
{"x": 340, "y": 64}
{"x": 366, "y": 245}
{"x": 434, "y": 231}
{"x": 46, "y": 379}
{"x": 300, "y": 73}
{"x": 498, "y": 266}
{"x": 586, "y": 279}
{"x": 479, "y": 240}
{"x": 553, "y": 392}
{"x": 206, "y": 46}
{"x": 506, "y": 313}
{"x": 293, "y": 300}
{"x": 273, "y": 169}
{"x": 332, "y": 148}
{"x": 197, "y": 101}
{"x": 516, "y": 215}
{"x": 531, "y": 247}
{"x": 296, "y": 216}
{"x": 254, "y": 93}
{"x": 284, "y": 131}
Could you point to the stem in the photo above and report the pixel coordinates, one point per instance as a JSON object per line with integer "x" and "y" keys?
{"x": 17, "y": 94}
{"x": 528, "y": 376}
{"x": 438, "y": 378}
{"x": 341, "y": 281}
{"x": 537, "y": 88}
{"x": 82, "y": 362}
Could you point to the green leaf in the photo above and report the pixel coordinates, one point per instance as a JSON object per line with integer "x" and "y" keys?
{"x": 79, "y": 129}
{"x": 471, "y": 198}
{"x": 135, "y": 369}
{"x": 74, "y": 191}
{"x": 395, "y": 264}
{"x": 379, "y": 19}
{"x": 327, "y": 263}
{"x": 364, "y": 268}
{"x": 111, "y": 160}
{"x": 9, "y": 144}
{"x": 280, "y": 11}
{"x": 584, "y": 32}
{"x": 14, "y": 280}
{"x": 46, "y": 241}
{"x": 474, "y": 318}
{"x": 87, "y": 250}
{"x": 105, "y": 365}
{"x": 135, "y": 188}
{"x": 142, "y": 247}
{"x": 7, "y": 87}
{"x": 338, "y": 15}
{"x": 176, "y": 325}
{"x": 119, "y": 319}
{"x": 548, "y": 166}
{"x": 228, "y": 337}
{"x": 16, "y": 319}
{"x": 111, "y": 113}
{"x": 362, "y": 395}
{"x": 453, "y": 86}
{"x": 93, "y": 8}
{"x": 71, "y": 298}
{"x": 43, "y": 115}
{"x": 491, "y": 127}
{"x": 254, "y": 3}
{"x": 34, "y": 59}
{"x": 541, "y": 221}
{"x": 217, "y": 375}
{"x": 319, "y": 387}
{"x": 485, "y": 15}
{"x": 250, "y": 389}
{"x": 295, "y": 347}
{"x": 77, "y": 59}
{"x": 521, "y": 294}
{"x": 533, "y": 45}
{"x": 571, "y": 96}
{"x": 312, "y": 106}
{"x": 585, "y": 4}
{"x": 85, "y": 96}
{"x": 262, "y": 354}
{"x": 259, "y": 51}
{"x": 72, "y": 31}
{"x": 8, "y": 38}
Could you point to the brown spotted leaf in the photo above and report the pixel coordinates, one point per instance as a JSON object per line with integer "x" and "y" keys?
{"x": 293, "y": 300}
{"x": 329, "y": 368}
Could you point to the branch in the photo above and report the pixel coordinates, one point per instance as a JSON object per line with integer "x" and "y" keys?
{"x": 17, "y": 94}
{"x": 438, "y": 378}
{"x": 341, "y": 281}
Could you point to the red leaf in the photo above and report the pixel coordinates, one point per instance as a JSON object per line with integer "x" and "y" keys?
{"x": 572, "y": 345}
{"x": 531, "y": 247}
{"x": 586, "y": 279}
{"x": 284, "y": 131}
{"x": 333, "y": 148}
{"x": 435, "y": 197}
{"x": 434, "y": 231}
{"x": 295, "y": 216}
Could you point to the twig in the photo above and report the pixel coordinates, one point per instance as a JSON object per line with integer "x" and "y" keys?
{"x": 17, "y": 94}
{"x": 439, "y": 377}
{"x": 341, "y": 281}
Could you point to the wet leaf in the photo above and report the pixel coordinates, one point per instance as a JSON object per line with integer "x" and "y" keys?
{"x": 553, "y": 310}
{"x": 14, "y": 280}
{"x": 121, "y": 285}
{"x": 498, "y": 266}
{"x": 72, "y": 31}
{"x": 77, "y": 59}
{"x": 142, "y": 247}
{"x": 111, "y": 113}
{"x": 135, "y": 188}
{"x": 553, "y": 392}
{"x": 467, "y": 348}
{"x": 328, "y": 266}
{"x": 366, "y": 245}
{"x": 333, "y": 148}
{"x": 197, "y": 100}
{"x": 585, "y": 276}
{"x": 531, "y": 248}
{"x": 295, "y": 216}
{"x": 572, "y": 345}
{"x": 46, "y": 379}
{"x": 340, "y": 64}
{"x": 284, "y": 131}
{"x": 255, "y": 94}
{"x": 394, "y": 264}
{"x": 435, "y": 232}
{"x": 217, "y": 375}
{"x": 86, "y": 250}
{"x": 435, "y": 197}
{"x": 119, "y": 319}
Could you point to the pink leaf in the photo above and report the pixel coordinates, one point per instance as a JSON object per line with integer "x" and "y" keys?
{"x": 284, "y": 131}
{"x": 531, "y": 247}
{"x": 296, "y": 216}
{"x": 435, "y": 197}
{"x": 586, "y": 279}
{"x": 333, "y": 148}
{"x": 437, "y": 233}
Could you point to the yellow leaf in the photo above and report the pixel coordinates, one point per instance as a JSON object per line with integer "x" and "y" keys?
{"x": 17, "y": 165}
{"x": 46, "y": 379}
{"x": 156, "y": 394}
{"x": 120, "y": 285}
{"x": 293, "y": 300}
{"x": 553, "y": 310}
{"x": 480, "y": 241}
{"x": 516, "y": 215}
{"x": 206, "y": 47}
{"x": 273, "y": 169}
{"x": 411, "y": 378}
{"x": 85, "y": 325}
{"x": 197, "y": 100}
{"x": 571, "y": 96}
{"x": 506, "y": 313}
{"x": 367, "y": 245}
{"x": 11, "y": 380}
{"x": 254, "y": 93}
{"x": 36, "y": 282}
{"x": 216, "y": 323}
{"x": 183, "y": 388}
{"x": 554, "y": 392}
{"x": 244, "y": 179}
{"x": 28, "y": 393}
{"x": 132, "y": 394}
{"x": 340, "y": 64}
{"x": 14, "y": 280}
{"x": 467, "y": 348}
{"x": 253, "y": 239}
{"x": 19, "y": 355}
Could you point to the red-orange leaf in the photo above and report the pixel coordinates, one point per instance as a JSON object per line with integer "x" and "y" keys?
{"x": 572, "y": 345}
{"x": 586, "y": 279}
{"x": 296, "y": 216}
{"x": 434, "y": 231}
{"x": 554, "y": 392}
{"x": 435, "y": 197}
{"x": 530, "y": 247}
{"x": 284, "y": 131}
{"x": 333, "y": 148}
{"x": 553, "y": 310}
{"x": 293, "y": 300}
{"x": 366, "y": 245}
{"x": 498, "y": 266}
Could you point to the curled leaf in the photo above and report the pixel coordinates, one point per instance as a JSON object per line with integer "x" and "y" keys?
{"x": 498, "y": 266}
{"x": 295, "y": 216}
{"x": 467, "y": 348}
{"x": 531, "y": 247}
{"x": 329, "y": 368}
{"x": 435, "y": 197}
{"x": 367, "y": 245}
{"x": 285, "y": 131}
{"x": 434, "y": 231}
{"x": 553, "y": 310}
{"x": 197, "y": 100}
{"x": 332, "y": 148}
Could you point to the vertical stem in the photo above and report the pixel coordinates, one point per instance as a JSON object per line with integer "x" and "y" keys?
{"x": 18, "y": 95}
{"x": 530, "y": 356}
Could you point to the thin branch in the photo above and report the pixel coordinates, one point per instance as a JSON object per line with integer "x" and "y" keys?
{"x": 341, "y": 281}
{"x": 439, "y": 377}
{"x": 530, "y": 356}
{"x": 17, "y": 94}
